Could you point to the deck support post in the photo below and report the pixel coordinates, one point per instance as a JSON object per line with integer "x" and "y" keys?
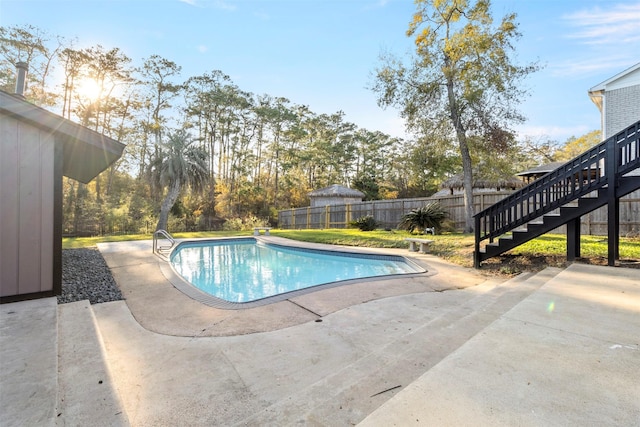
{"x": 476, "y": 253}
{"x": 573, "y": 239}
{"x": 613, "y": 203}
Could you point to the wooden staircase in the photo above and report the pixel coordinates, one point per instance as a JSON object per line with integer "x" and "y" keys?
{"x": 591, "y": 180}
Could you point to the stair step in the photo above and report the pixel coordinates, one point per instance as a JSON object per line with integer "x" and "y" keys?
{"x": 516, "y": 237}
{"x": 352, "y": 392}
{"x": 87, "y": 395}
{"x": 535, "y": 224}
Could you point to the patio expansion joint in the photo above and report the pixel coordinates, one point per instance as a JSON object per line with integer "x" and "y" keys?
{"x": 304, "y": 308}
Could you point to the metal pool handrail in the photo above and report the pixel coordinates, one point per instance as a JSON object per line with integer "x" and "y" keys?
{"x": 161, "y": 249}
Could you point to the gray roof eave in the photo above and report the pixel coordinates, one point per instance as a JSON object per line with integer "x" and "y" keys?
{"x": 86, "y": 152}
{"x": 601, "y": 86}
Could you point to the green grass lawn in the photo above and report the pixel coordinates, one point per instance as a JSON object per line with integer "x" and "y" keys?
{"x": 547, "y": 250}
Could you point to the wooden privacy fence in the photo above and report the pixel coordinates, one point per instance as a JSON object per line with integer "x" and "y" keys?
{"x": 388, "y": 213}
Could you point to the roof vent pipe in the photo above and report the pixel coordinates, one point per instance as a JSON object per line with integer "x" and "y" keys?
{"x": 21, "y": 68}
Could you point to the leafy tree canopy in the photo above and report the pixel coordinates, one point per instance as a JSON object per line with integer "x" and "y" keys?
{"x": 462, "y": 82}
{"x": 575, "y": 146}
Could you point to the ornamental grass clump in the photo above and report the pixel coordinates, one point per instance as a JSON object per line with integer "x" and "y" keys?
{"x": 428, "y": 216}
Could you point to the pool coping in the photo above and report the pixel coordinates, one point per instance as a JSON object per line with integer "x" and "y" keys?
{"x": 212, "y": 301}
{"x": 158, "y": 306}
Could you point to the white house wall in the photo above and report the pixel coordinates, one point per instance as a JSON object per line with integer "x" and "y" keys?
{"x": 26, "y": 208}
{"x": 622, "y": 108}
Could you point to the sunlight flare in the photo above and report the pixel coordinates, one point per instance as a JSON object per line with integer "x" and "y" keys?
{"x": 88, "y": 88}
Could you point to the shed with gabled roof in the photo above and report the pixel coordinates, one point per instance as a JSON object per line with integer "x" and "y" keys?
{"x": 38, "y": 148}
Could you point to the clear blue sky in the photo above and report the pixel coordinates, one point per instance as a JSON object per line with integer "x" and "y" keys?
{"x": 321, "y": 53}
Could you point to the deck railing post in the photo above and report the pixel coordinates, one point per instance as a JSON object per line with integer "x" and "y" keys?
{"x": 476, "y": 252}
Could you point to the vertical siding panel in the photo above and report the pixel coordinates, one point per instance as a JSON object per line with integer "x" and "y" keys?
{"x": 30, "y": 209}
{"x": 9, "y": 215}
{"x": 58, "y": 154}
{"x": 47, "y": 177}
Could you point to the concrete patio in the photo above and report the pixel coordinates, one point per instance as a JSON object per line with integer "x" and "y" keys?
{"x": 449, "y": 347}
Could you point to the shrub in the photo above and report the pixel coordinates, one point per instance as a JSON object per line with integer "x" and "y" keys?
{"x": 430, "y": 215}
{"x": 243, "y": 224}
{"x": 176, "y": 225}
{"x": 447, "y": 225}
{"x": 365, "y": 223}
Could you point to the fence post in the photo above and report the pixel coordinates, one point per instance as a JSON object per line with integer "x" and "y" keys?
{"x": 327, "y": 216}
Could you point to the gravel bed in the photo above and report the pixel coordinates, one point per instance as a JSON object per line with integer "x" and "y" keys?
{"x": 85, "y": 275}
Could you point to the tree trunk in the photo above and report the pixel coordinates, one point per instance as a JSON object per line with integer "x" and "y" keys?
{"x": 464, "y": 154}
{"x": 468, "y": 185}
{"x": 167, "y": 204}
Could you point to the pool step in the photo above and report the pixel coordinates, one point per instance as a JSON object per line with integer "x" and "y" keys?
{"x": 356, "y": 390}
{"x": 86, "y": 393}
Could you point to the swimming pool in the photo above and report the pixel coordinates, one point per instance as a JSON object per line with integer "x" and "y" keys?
{"x": 244, "y": 270}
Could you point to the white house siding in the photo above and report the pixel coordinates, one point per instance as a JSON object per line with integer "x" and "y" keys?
{"x": 622, "y": 109}
{"x": 26, "y": 208}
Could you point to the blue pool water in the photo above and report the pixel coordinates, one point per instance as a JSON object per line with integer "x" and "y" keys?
{"x": 244, "y": 270}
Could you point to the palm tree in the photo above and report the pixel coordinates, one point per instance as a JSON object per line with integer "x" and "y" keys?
{"x": 183, "y": 164}
{"x": 430, "y": 215}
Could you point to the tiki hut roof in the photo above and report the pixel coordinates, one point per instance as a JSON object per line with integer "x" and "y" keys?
{"x": 456, "y": 182}
{"x": 336, "y": 190}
